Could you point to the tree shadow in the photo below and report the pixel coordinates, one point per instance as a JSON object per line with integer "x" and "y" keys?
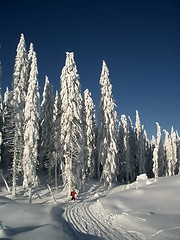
{"x": 6, "y": 238}
{"x": 14, "y": 231}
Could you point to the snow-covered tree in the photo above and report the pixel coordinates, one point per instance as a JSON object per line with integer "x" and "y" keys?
{"x": 133, "y": 151}
{"x": 158, "y": 155}
{"x": 148, "y": 156}
{"x": 155, "y": 159}
{"x": 56, "y": 136}
{"x": 174, "y": 143}
{"x": 47, "y": 141}
{"x": 107, "y": 131}
{"x": 123, "y": 151}
{"x": 140, "y": 155}
{"x": 31, "y": 136}
{"x": 1, "y": 101}
{"x": 90, "y": 134}
{"x": 120, "y": 154}
{"x": 168, "y": 154}
{"x": 20, "y": 86}
{"x": 1, "y": 141}
{"x": 30, "y": 57}
{"x": 1, "y": 115}
{"x": 178, "y": 152}
{"x": 8, "y": 130}
{"x": 72, "y": 136}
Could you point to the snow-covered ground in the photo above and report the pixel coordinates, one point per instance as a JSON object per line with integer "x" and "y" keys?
{"x": 146, "y": 209}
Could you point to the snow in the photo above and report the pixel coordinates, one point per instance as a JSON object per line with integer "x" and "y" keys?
{"x": 145, "y": 209}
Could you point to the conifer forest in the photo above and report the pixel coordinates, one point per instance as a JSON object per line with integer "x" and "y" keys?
{"x": 62, "y": 140}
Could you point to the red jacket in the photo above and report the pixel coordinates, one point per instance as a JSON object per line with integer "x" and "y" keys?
{"x": 73, "y": 193}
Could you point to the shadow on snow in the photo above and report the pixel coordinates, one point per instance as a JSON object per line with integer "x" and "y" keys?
{"x": 10, "y": 232}
{"x": 68, "y": 228}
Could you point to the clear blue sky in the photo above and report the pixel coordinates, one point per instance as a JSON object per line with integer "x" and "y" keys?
{"x": 138, "y": 39}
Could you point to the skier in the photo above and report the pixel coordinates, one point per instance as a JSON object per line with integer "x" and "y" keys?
{"x": 73, "y": 193}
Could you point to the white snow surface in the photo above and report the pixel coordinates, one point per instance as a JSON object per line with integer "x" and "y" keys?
{"x": 145, "y": 209}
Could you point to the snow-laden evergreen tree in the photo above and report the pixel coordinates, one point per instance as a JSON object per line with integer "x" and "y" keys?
{"x": 168, "y": 152}
{"x": 1, "y": 141}
{"x": 1, "y": 113}
{"x": 90, "y": 135}
{"x": 153, "y": 142}
{"x": 107, "y": 131}
{"x": 174, "y": 143}
{"x": 30, "y": 57}
{"x": 155, "y": 154}
{"x": 140, "y": 155}
{"x": 178, "y": 152}
{"x": 158, "y": 155}
{"x": 1, "y": 101}
{"x": 56, "y": 135}
{"x": 20, "y": 86}
{"x": 31, "y": 136}
{"x": 47, "y": 141}
{"x": 8, "y": 130}
{"x": 120, "y": 154}
{"x": 124, "y": 151}
{"x": 72, "y": 136}
{"x": 148, "y": 156}
{"x": 133, "y": 151}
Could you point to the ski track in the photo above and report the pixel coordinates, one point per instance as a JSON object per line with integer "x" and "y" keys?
{"x": 83, "y": 220}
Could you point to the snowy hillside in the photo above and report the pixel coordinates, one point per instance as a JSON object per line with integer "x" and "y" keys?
{"x": 145, "y": 209}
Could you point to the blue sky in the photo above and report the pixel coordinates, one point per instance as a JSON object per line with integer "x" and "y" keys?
{"x": 138, "y": 39}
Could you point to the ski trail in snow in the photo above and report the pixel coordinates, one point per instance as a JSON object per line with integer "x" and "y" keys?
{"x": 82, "y": 218}
{"x": 163, "y": 230}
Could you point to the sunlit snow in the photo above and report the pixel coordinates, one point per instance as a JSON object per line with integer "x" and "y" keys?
{"x": 145, "y": 209}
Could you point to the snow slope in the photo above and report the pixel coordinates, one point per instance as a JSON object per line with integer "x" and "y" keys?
{"x": 146, "y": 209}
